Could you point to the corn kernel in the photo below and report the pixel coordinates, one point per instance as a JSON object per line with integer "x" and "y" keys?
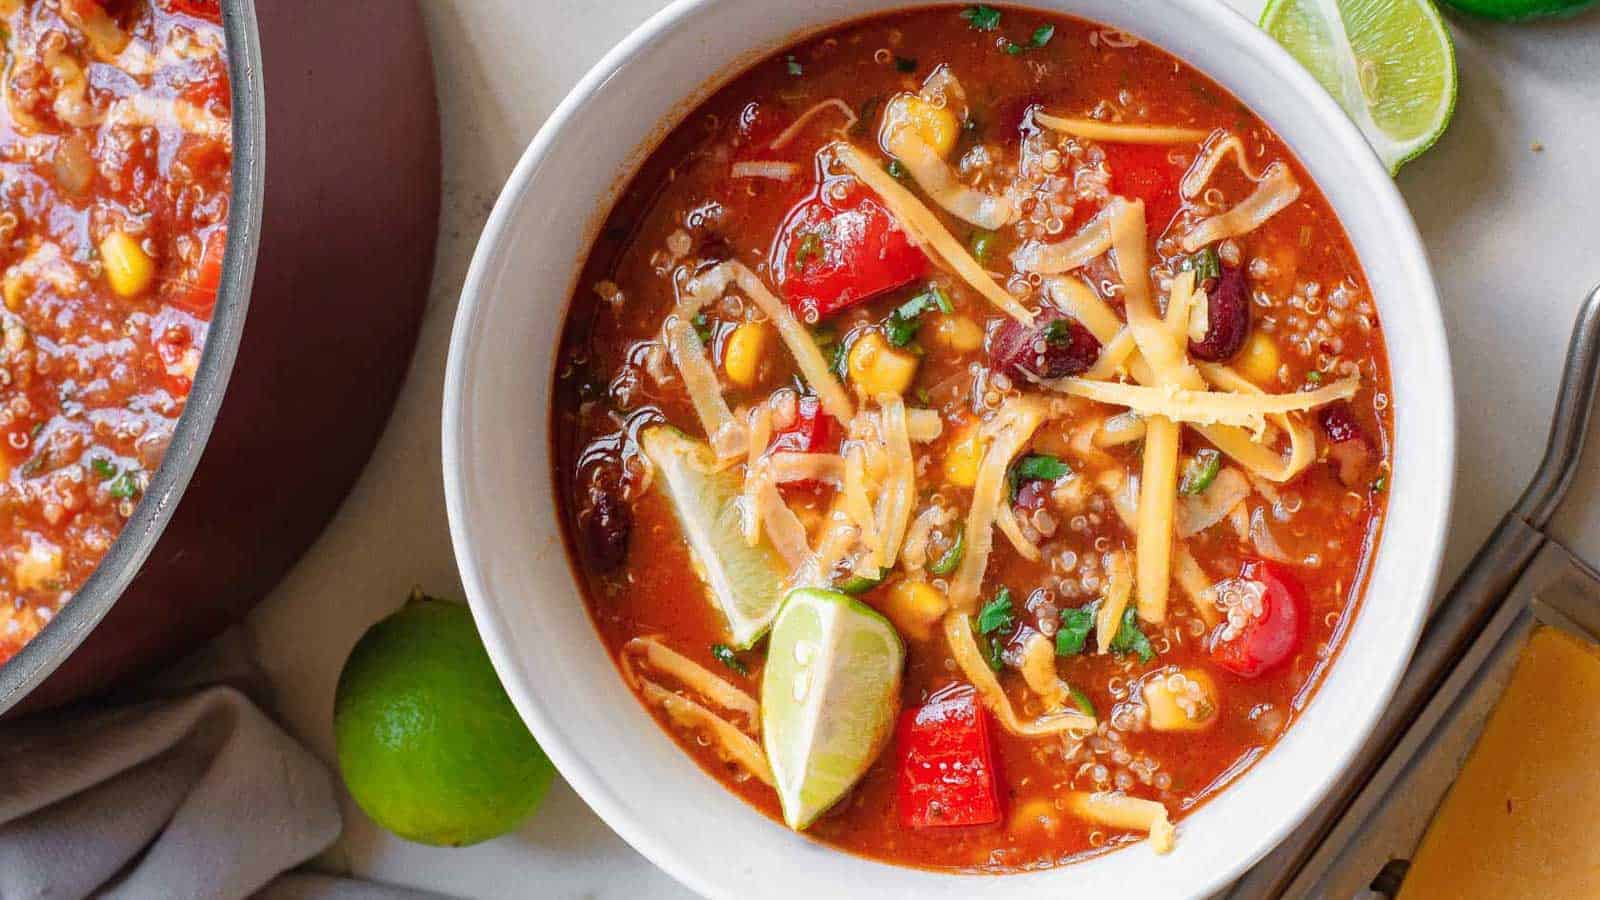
{"x": 1259, "y": 361}
{"x": 1185, "y": 700}
{"x": 958, "y": 333}
{"x": 15, "y": 288}
{"x": 129, "y": 269}
{"x": 936, "y": 126}
{"x": 877, "y": 368}
{"x": 743, "y": 353}
{"x": 915, "y": 607}
{"x": 962, "y": 457}
{"x": 39, "y": 566}
{"x": 1035, "y": 814}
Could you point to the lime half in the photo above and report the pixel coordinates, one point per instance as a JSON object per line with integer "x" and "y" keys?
{"x": 829, "y": 698}
{"x": 1389, "y": 63}
{"x": 746, "y": 582}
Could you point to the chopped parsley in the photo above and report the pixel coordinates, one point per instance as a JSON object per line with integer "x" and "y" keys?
{"x": 1313, "y": 377}
{"x": 1075, "y": 627}
{"x": 997, "y": 614}
{"x": 1201, "y": 471}
{"x": 792, "y": 65}
{"x": 1035, "y": 467}
{"x": 1041, "y": 37}
{"x": 982, "y": 18}
{"x": 810, "y": 248}
{"x": 1130, "y": 639}
{"x": 905, "y": 64}
{"x": 727, "y": 657}
{"x": 1058, "y": 331}
{"x": 102, "y": 468}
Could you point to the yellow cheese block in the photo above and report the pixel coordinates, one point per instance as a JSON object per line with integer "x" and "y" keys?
{"x": 1522, "y": 818}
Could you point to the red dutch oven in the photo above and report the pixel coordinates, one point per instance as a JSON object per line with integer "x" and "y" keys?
{"x": 331, "y": 236}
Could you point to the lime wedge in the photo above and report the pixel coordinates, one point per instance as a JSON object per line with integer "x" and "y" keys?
{"x": 829, "y": 698}
{"x": 1389, "y": 63}
{"x": 747, "y": 583}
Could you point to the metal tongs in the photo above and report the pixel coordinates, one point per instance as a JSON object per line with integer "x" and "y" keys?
{"x": 1519, "y": 575}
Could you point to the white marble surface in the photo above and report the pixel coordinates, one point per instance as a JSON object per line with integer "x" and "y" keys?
{"x": 1511, "y": 230}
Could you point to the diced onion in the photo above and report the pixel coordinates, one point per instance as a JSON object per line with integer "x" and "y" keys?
{"x": 926, "y": 230}
{"x": 1118, "y": 133}
{"x": 777, "y": 170}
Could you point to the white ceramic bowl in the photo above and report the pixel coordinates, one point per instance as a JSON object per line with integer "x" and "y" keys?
{"x": 498, "y": 483}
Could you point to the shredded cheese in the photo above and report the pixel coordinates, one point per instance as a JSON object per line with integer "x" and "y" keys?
{"x": 904, "y": 141}
{"x": 1119, "y": 590}
{"x": 685, "y": 713}
{"x": 1053, "y": 258}
{"x": 926, "y": 230}
{"x": 964, "y": 647}
{"x": 813, "y": 366}
{"x": 787, "y": 467}
{"x": 1199, "y": 174}
{"x": 900, "y": 488}
{"x": 1013, "y": 426}
{"x": 1039, "y": 671}
{"x": 1118, "y": 810}
{"x": 1206, "y": 407}
{"x": 690, "y": 673}
{"x": 1273, "y": 194}
{"x": 1119, "y": 133}
{"x": 725, "y": 433}
{"x": 816, "y": 109}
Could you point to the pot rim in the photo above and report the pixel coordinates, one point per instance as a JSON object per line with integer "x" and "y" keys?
{"x": 79, "y": 616}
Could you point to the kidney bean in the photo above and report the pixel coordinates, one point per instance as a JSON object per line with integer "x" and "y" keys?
{"x": 605, "y": 520}
{"x": 1227, "y": 317}
{"x": 1055, "y": 346}
{"x": 1348, "y": 446}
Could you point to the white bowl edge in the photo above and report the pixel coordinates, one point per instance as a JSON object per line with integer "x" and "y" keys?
{"x": 506, "y": 537}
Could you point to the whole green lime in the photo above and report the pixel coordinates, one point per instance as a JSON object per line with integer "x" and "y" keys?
{"x": 429, "y": 744}
{"x": 1520, "y": 10}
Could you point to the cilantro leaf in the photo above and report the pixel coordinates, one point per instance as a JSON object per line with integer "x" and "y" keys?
{"x": 810, "y": 248}
{"x": 982, "y": 18}
{"x": 1204, "y": 264}
{"x": 725, "y": 655}
{"x": 905, "y": 63}
{"x": 1075, "y": 627}
{"x": 703, "y": 328}
{"x": 997, "y": 614}
{"x": 102, "y": 468}
{"x": 126, "y": 486}
{"x": 1082, "y": 702}
{"x": 792, "y": 65}
{"x": 951, "y": 557}
{"x": 1200, "y": 472}
{"x": 1041, "y": 36}
{"x": 903, "y": 322}
{"x": 1130, "y": 639}
{"x": 1035, "y": 467}
{"x": 895, "y": 170}
{"x": 997, "y": 659}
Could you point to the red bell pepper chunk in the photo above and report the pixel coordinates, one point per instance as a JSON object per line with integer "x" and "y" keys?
{"x": 834, "y": 253}
{"x": 1143, "y": 172}
{"x": 200, "y": 294}
{"x": 1274, "y": 637}
{"x": 947, "y": 765}
{"x": 812, "y": 431}
{"x": 210, "y": 10}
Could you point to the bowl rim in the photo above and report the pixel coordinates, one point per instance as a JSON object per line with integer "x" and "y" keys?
{"x": 41, "y": 655}
{"x": 456, "y": 446}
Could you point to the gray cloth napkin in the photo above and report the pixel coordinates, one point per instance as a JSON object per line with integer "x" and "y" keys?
{"x": 185, "y": 790}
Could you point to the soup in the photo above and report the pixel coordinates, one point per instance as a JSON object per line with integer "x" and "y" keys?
{"x": 115, "y": 150}
{"x": 972, "y": 432}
